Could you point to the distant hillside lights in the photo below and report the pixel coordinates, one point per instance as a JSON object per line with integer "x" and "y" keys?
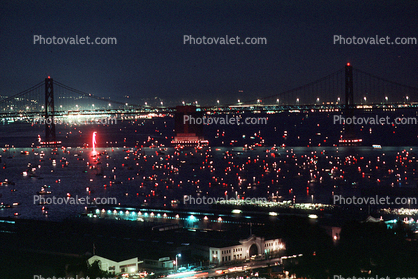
{"x": 75, "y": 121}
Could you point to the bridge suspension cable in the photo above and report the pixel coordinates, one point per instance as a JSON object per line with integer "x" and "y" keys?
{"x": 326, "y": 89}
{"x": 89, "y": 95}
{"x": 23, "y": 92}
{"x": 371, "y": 89}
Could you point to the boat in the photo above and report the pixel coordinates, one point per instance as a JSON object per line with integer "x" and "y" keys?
{"x": 48, "y": 143}
{"x": 43, "y": 192}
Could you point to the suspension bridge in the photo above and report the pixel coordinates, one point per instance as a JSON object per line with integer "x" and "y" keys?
{"x": 347, "y": 88}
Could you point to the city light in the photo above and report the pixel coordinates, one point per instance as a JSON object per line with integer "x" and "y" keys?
{"x": 94, "y": 142}
{"x": 192, "y": 219}
{"x": 177, "y": 256}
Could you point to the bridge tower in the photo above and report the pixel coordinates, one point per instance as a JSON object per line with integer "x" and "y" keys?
{"x": 349, "y": 134}
{"x": 349, "y": 94}
{"x": 49, "y": 110}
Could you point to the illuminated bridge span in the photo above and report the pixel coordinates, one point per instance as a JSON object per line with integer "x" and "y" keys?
{"x": 49, "y": 99}
{"x": 58, "y": 98}
{"x": 347, "y": 88}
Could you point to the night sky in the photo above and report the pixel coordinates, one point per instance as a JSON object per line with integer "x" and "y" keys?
{"x": 151, "y": 60}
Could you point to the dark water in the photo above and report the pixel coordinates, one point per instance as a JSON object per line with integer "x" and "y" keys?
{"x": 310, "y": 166}
{"x": 292, "y": 129}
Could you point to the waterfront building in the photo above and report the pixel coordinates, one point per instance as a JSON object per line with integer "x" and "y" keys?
{"x": 133, "y": 265}
{"x": 253, "y": 247}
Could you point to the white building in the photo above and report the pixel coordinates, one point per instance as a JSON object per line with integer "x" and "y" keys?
{"x": 131, "y": 265}
{"x": 251, "y": 247}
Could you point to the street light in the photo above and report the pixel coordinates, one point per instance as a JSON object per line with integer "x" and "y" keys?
{"x": 191, "y": 219}
{"x": 177, "y": 263}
